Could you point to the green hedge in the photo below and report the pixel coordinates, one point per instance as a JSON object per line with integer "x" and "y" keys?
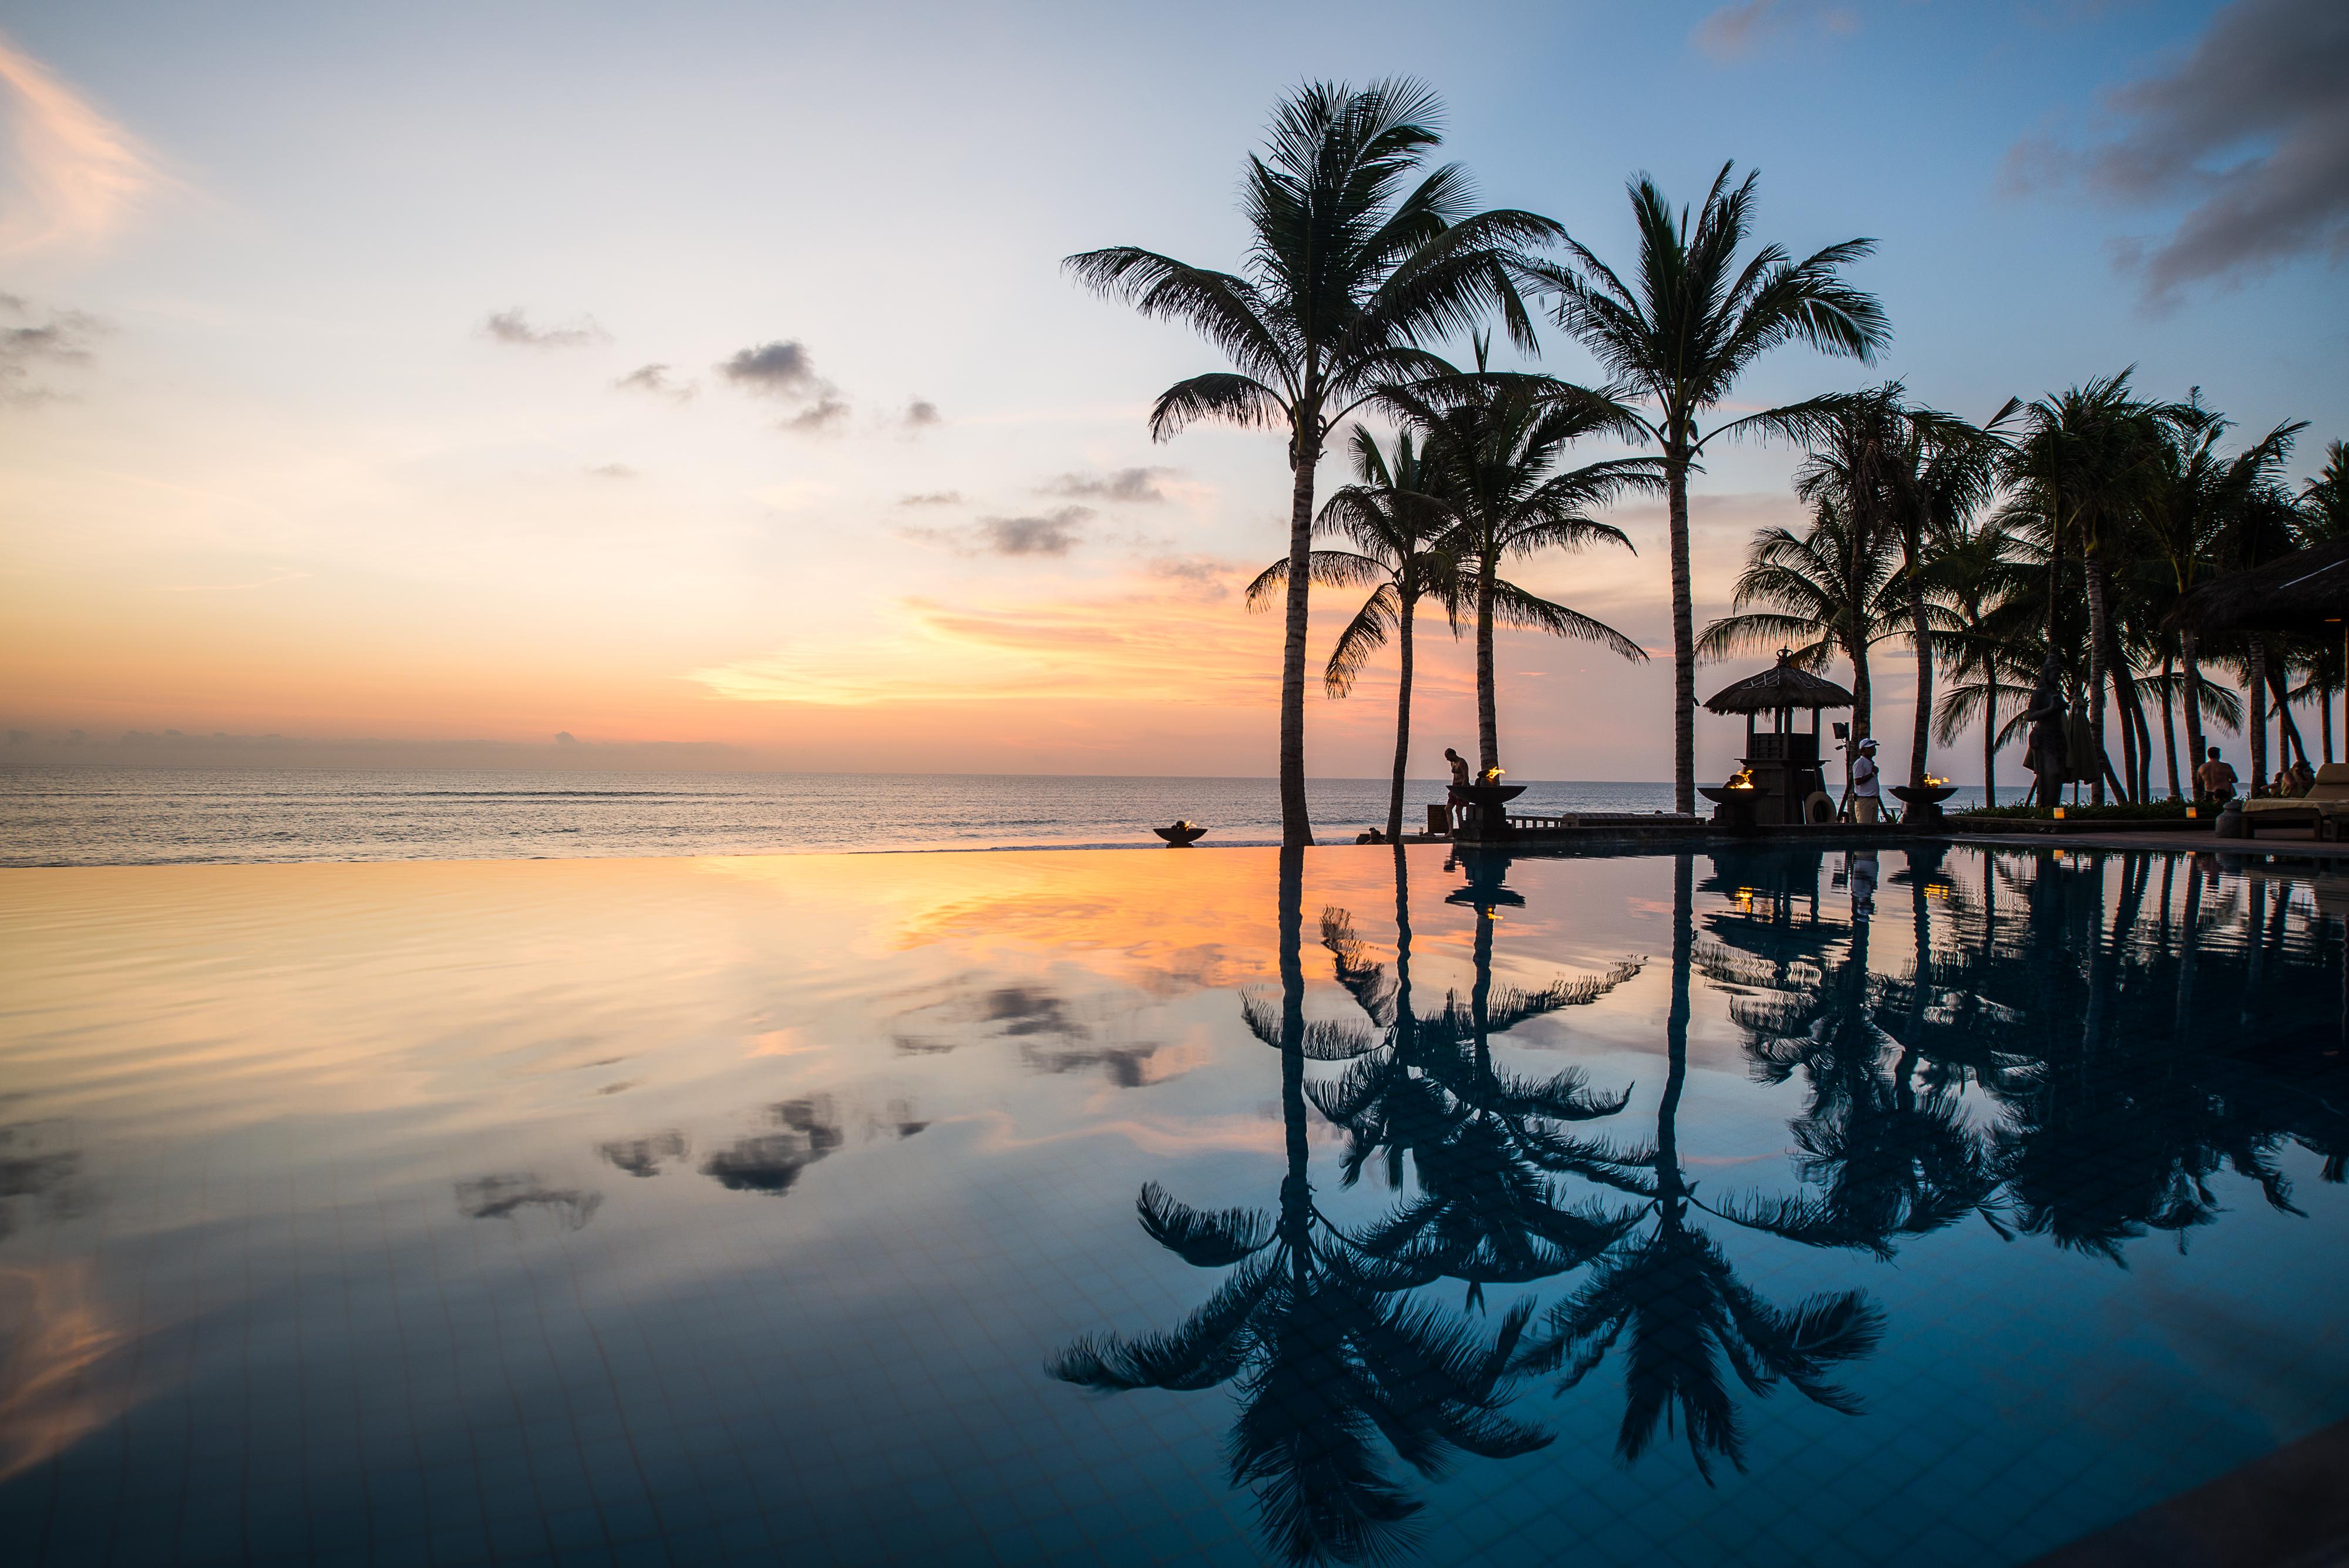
{"x": 2150, "y": 811}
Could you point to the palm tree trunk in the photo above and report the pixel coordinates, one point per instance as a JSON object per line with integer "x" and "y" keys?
{"x": 2099, "y": 622}
{"x": 2255, "y": 715}
{"x": 2139, "y": 735}
{"x": 2324, "y": 713}
{"x": 1676, "y": 1026}
{"x": 1488, "y": 729}
{"x": 1296, "y": 1187}
{"x": 2286, "y": 729}
{"x": 2169, "y": 726}
{"x": 1989, "y": 742}
{"x": 1403, "y": 715}
{"x": 1924, "y": 641}
{"x": 1296, "y": 820}
{"x": 1676, "y": 465}
{"x": 2190, "y": 660}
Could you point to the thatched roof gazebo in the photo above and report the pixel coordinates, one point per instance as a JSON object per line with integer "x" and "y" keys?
{"x": 1780, "y": 689}
{"x": 1781, "y": 764}
{"x": 2307, "y": 590}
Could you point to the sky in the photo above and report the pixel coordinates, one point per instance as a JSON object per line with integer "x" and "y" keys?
{"x": 597, "y": 385}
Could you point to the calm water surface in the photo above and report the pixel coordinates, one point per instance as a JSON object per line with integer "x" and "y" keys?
{"x": 1137, "y": 1207}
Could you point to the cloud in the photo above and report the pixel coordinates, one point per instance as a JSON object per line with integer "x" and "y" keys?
{"x": 1734, "y": 32}
{"x": 1053, "y": 533}
{"x": 825, "y": 413}
{"x": 76, "y": 178}
{"x": 62, "y": 339}
{"x": 513, "y": 327}
{"x": 920, "y": 414}
{"x": 2252, "y": 128}
{"x": 654, "y": 378}
{"x": 613, "y": 471}
{"x": 1139, "y": 484}
{"x": 932, "y": 498}
{"x": 1205, "y": 574}
{"x": 565, "y": 738}
{"x": 776, "y": 369}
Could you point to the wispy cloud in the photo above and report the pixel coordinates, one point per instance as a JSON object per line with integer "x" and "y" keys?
{"x": 932, "y": 498}
{"x": 2252, "y": 128}
{"x": 920, "y": 414}
{"x": 1144, "y": 646}
{"x": 61, "y": 338}
{"x": 656, "y": 380}
{"x": 828, "y": 412}
{"x": 613, "y": 471}
{"x": 513, "y": 327}
{"x": 1052, "y": 534}
{"x": 1138, "y": 484}
{"x": 1734, "y": 32}
{"x": 74, "y": 177}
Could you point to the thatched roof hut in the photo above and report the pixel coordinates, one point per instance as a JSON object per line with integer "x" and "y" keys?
{"x": 2307, "y": 590}
{"x": 1781, "y": 686}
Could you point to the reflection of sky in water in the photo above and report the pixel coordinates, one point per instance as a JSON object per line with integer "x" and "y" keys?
{"x": 664, "y": 1210}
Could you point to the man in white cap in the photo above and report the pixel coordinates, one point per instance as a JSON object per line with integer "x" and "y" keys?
{"x": 1867, "y": 791}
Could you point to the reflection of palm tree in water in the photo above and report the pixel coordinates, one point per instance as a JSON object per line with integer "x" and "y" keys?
{"x": 1891, "y": 1157}
{"x": 1671, "y": 1300}
{"x": 1328, "y": 1360}
{"x": 1488, "y": 1146}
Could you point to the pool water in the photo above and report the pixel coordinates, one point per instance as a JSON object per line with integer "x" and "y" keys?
{"x": 1748, "y": 1205}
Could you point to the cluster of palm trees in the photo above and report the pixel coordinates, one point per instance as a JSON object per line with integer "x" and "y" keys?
{"x": 2043, "y": 1062}
{"x": 2071, "y": 528}
{"x": 1355, "y": 267}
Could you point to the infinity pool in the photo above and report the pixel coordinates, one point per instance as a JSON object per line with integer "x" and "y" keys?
{"x": 1146, "y": 1207}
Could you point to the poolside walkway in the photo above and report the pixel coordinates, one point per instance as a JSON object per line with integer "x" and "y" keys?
{"x": 2300, "y": 843}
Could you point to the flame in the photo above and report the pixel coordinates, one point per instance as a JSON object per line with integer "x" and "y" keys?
{"x": 1933, "y": 783}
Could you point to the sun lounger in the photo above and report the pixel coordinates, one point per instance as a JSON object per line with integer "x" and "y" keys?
{"x": 2324, "y": 809}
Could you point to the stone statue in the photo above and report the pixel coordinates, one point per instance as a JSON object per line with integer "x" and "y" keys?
{"x": 2048, "y": 757}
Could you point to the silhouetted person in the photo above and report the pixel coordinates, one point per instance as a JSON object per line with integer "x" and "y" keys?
{"x": 2214, "y": 780}
{"x": 2048, "y": 757}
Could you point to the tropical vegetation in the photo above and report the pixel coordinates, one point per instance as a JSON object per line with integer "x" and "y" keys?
{"x": 2068, "y": 527}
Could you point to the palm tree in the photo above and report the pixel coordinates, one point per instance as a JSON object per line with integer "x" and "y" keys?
{"x": 1401, "y": 543}
{"x": 1347, "y": 272}
{"x": 1494, "y": 446}
{"x": 2084, "y": 465}
{"x": 1827, "y": 590}
{"x": 1974, "y": 580}
{"x": 1690, "y": 322}
{"x": 1913, "y": 476}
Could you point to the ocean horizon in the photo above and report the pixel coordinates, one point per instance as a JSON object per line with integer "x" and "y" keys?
{"x": 104, "y": 815}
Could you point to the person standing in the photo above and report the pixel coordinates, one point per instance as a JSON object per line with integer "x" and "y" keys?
{"x": 1867, "y": 786}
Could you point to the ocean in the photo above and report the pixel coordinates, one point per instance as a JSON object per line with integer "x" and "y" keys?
{"x": 143, "y": 816}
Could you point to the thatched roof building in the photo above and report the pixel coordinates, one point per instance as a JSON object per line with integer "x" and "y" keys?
{"x": 2307, "y": 590}
{"x": 1781, "y": 686}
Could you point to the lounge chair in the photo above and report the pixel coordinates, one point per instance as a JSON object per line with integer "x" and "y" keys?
{"x": 2323, "y": 810}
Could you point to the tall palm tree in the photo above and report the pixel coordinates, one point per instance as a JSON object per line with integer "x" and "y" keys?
{"x": 1974, "y": 578}
{"x": 1350, "y": 267}
{"x": 1402, "y": 548}
{"x": 1827, "y": 589}
{"x": 2084, "y": 464}
{"x": 1680, "y": 332}
{"x": 1494, "y": 446}
{"x": 1913, "y": 476}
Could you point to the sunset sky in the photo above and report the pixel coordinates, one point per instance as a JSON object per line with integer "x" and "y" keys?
{"x": 701, "y": 384}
